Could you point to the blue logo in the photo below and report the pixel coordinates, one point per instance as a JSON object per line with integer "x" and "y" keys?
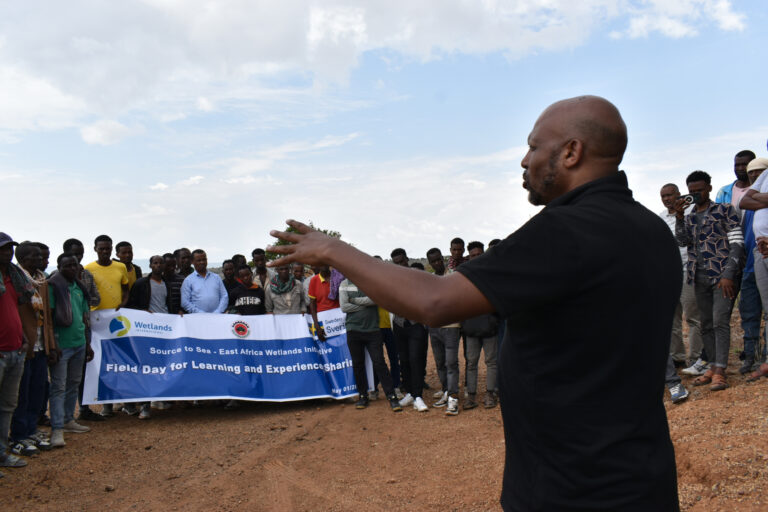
{"x": 119, "y": 325}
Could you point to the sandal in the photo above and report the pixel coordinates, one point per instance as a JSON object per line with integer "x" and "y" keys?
{"x": 718, "y": 382}
{"x": 759, "y": 373}
{"x": 704, "y": 379}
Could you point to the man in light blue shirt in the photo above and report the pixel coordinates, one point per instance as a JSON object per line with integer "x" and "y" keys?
{"x": 203, "y": 291}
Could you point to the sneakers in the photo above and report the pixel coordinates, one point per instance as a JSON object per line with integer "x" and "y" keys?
{"x": 678, "y": 393}
{"x": 25, "y": 447}
{"x": 399, "y": 394}
{"x": 130, "y": 409}
{"x": 470, "y": 402}
{"x": 12, "y": 461}
{"x": 491, "y": 399}
{"x": 438, "y": 394}
{"x": 362, "y": 403}
{"x": 86, "y": 414}
{"x": 419, "y": 405}
{"x": 394, "y": 403}
{"x": 41, "y": 441}
{"x": 57, "y": 438}
{"x": 406, "y": 400}
{"x": 443, "y": 400}
{"x": 107, "y": 411}
{"x": 696, "y": 369}
{"x": 453, "y": 407}
{"x": 73, "y": 426}
{"x": 145, "y": 413}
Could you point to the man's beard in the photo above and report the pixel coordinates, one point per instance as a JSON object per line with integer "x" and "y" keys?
{"x": 536, "y": 197}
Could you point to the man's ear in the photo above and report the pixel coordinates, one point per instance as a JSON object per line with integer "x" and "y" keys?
{"x": 573, "y": 152}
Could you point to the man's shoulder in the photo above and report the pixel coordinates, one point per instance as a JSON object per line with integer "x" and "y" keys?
{"x": 726, "y": 188}
{"x": 142, "y": 281}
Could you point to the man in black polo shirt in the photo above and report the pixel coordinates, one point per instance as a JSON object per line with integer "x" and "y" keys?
{"x": 588, "y": 287}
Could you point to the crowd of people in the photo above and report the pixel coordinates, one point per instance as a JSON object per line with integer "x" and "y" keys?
{"x": 723, "y": 246}
{"x": 45, "y": 333}
{"x": 45, "y": 340}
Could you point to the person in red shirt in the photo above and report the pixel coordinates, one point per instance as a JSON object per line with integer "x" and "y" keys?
{"x": 16, "y": 292}
{"x": 319, "y": 288}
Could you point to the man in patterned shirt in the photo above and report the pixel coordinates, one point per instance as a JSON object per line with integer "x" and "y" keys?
{"x": 712, "y": 232}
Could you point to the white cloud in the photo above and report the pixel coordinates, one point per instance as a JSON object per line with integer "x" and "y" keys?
{"x": 158, "y": 186}
{"x": 104, "y": 133}
{"x": 30, "y": 102}
{"x": 242, "y": 169}
{"x": 204, "y": 104}
{"x": 192, "y": 180}
{"x": 680, "y": 18}
{"x": 165, "y": 58}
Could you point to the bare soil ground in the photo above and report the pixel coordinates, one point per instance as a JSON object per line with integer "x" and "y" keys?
{"x": 320, "y": 455}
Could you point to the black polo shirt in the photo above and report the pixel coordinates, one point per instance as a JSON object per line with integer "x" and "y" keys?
{"x": 588, "y": 288}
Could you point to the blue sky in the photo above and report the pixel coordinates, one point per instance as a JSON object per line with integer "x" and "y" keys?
{"x": 206, "y": 124}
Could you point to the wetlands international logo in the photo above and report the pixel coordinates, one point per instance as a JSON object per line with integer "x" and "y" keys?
{"x": 240, "y": 329}
{"x": 120, "y": 325}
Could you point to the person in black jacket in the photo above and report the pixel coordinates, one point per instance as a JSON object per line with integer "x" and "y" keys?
{"x": 480, "y": 334}
{"x": 150, "y": 293}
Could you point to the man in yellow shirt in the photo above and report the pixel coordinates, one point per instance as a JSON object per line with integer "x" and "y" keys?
{"x": 111, "y": 278}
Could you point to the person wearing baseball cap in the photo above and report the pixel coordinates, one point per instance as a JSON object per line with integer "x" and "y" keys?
{"x": 15, "y": 304}
{"x": 755, "y": 200}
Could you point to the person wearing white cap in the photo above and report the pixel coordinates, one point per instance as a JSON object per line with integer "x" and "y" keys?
{"x": 756, "y": 199}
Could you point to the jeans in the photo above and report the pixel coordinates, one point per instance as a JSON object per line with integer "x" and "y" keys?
{"x": 761, "y": 281}
{"x": 31, "y": 397}
{"x": 686, "y": 307}
{"x": 392, "y": 353}
{"x": 65, "y": 380}
{"x": 671, "y": 378}
{"x": 489, "y": 346}
{"x": 11, "y": 370}
{"x": 358, "y": 342}
{"x": 445, "y": 348}
{"x": 751, "y": 311}
{"x": 715, "y": 315}
{"x": 412, "y": 346}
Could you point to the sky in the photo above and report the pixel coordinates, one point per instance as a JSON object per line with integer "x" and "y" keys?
{"x": 206, "y": 124}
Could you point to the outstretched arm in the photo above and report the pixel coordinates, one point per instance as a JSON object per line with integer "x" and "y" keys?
{"x": 420, "y": 296}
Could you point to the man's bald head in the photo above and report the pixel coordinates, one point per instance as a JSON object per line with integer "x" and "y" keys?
{"x": 573, "y": 142}
{"x": 593, "y": 120}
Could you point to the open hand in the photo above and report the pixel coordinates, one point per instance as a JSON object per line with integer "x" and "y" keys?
{"x": 308, "y": 246}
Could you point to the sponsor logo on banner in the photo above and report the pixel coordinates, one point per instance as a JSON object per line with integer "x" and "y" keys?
{"x": 241, "y": 329}
{"x": 312, "y": 329}
{"x": 120, "y": 325}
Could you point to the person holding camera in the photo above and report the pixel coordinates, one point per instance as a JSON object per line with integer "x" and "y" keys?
{"x": 712, "y": 233}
